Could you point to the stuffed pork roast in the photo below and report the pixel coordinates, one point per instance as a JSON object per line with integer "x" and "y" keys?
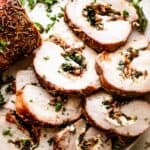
{"x": 80, "y": 136}
{"x": 126, "y": 71}
{"x": 18, "y": 36}
{"x": 102, "y": 25}
{"x": 33, "y": 103}
{"x": 122, "y": 117}
{"x": 65, "y": 69}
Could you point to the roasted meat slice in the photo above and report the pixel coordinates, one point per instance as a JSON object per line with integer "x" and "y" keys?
{"x": 102, "y": 25}
{"x": 125, "y": 118}
{"x": 79, "y": 136}
{"x": 13, "y": 138}
{"x": 126, "y": 72}
{"x": 24, "y": 77}
{"x": 18, "y": 36}
{"x": 34, "y": 103}
{"x": 70, "y": 71}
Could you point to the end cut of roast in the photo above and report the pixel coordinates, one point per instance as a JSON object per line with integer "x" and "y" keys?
{"x": 18, "y": 36}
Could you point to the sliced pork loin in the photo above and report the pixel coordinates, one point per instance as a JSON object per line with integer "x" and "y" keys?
{"x": 13, "y": 138}
{"x": 81, "y": 136}
{"x": 125, "y": 118}
{"x": 70, "y": 71}
{"x": 102, "y": 25}
{"x": 16, "y": 136}
{"x": 126, "y": 71}
{"x": 34, "y": 103}
{"x": 24, "y": 77}
{"x": 18, "y": 36}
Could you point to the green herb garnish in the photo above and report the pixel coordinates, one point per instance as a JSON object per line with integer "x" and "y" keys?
{"x": 46, "y": 58}
{"x": 58, "y": 106}
{"x": 50, "y": 141}
{"x": 2, "y": 102}
{"x": 31, "y": 3}
{"x": 39, "y": 27}
{"x": 48, "y": 3}
{"x": 22, "y": 2}
{"x": 142, "y": 20}
{"x": 3, "y": 45}
{"x": 7, "y": 132}
{"x": 125, "y": 14}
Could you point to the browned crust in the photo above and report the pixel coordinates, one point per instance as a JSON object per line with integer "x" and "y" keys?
{"x": 91, "y": 42}
{"x": 112, "y": 89}
{"x": 50, "y": 86}
{"x": 109, "y": 131}
{"x": 18, "y": 31}
{"x": 59, "y": 139}
{"x": 23, "y": 111}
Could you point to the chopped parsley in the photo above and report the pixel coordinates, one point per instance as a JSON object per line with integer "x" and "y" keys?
{"x": 3, "y": 45}
{"x": 22, "y": 2}
{"x": 74, "y": 62}
{"x": 31, "y": 3}
{"x": 46, "y": 58}
{"x": 2, "y": 101}
{"x": 125, "y": 14}
{"x": 39, "y": 27}
{"x": 48, "y": 3}
{"x": 58, "y": 106}
{"x": 67, "y": 67}
{"x": 50, "y": 141}
{"x": 142, "y": 20}
{"x": 31, "y": 101}
{"x": 94, "y": 13}
{"x": 7, "y": 132}
{"x": 23, "y": 144}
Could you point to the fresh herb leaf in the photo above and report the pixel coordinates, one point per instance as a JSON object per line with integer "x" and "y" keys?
{"x": 58, "y": 106}
{"x": 67, "y": 67}
{"x": 7, "y": 132}
{"x": 48, "y": 3}
{"x": 125, "y": 14}
{"x": 22, "y": 2}
{"x": 49, "y": 26}
{"x": 2, "y": 102}
{"x": 142, "y": 20}
{"x": 50, "y": 141}
{"x": 39, "y": 27}
{"x": 46, "y": 58}
{"x": 3, "y": 45}
{"x": 31, "y": 4}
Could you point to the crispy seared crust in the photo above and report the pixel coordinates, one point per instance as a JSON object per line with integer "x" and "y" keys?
{"x": 17, "y": 30}
{"x": 97, "y": 46}
{"x": 59, "y": 139}
{"x": 112, "y": 89}
{"x": 49, "y": 86}
{"x": 24, "y": 113}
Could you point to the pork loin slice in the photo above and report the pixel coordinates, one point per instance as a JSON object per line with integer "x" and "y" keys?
{"x": 18, "y": 36}
{"x": 12, "y": 138}
{"x": 126, "y": 71}
{"x": 48, "y": 64}
{"x": 24, "y": 77}
{"x": 79, "y": 136}
{"x": 113, "y": 32}
{"x": 125, "y": 118}
{"x": 34, "y": 103}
